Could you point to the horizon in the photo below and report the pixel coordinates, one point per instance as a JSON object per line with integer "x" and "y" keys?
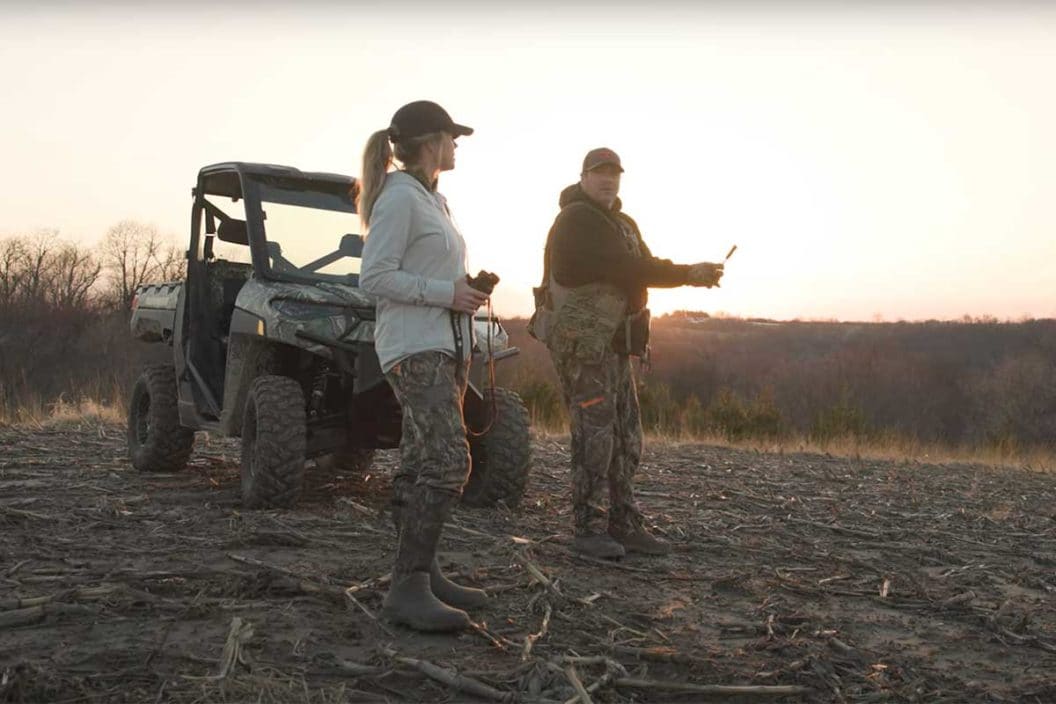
{"x": 724, "y": 316}
{"x": 871, "y": 164}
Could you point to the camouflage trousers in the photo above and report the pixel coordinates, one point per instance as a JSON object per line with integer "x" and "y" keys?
{"x": 606, "y": 441}
{"x": 434, "y": 452}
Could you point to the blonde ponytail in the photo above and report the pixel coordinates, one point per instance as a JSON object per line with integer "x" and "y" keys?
{"x": 377, "y": 159}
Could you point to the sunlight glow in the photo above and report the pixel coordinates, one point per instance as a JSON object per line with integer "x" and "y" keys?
{"x": 884, "y": 164}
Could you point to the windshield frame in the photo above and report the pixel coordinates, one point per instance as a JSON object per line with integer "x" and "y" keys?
{"x": 313, "y": 193}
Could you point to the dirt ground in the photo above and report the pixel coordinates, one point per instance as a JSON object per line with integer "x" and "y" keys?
{"x": 793, "y": 578}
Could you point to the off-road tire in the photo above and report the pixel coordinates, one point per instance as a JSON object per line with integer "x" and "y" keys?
{"x": 156, "y": 440}
{"x": 273, "y": 443}
{"x": 502, "y": 457}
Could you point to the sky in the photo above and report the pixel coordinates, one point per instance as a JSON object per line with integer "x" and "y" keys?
{"x": 888, "y": 161}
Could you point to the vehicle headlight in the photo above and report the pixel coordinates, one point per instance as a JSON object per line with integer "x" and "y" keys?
{"x": 482, "y": 329}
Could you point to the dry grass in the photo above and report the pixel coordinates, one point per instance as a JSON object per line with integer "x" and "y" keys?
{"x": 86, "y": 410}
{"x": 114, "y": 412}
{"x": 891, "y": 449}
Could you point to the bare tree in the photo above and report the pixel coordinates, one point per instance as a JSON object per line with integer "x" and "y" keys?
{"x": 172, "y": 264}
{"x": 13, "y": 258}
{"x": 37, "y": 263}
{"x": 133, "y": 253}
{"x": 38, "y": 270}
{"x": 73, "y": 273}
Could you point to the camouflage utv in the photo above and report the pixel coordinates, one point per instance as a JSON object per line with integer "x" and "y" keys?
{"x": 272, "y": 342}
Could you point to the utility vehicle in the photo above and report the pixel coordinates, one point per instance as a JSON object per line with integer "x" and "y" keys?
{"x": 272, "y": 341}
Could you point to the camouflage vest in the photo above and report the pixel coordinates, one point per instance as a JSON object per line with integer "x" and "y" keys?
{"x": 584, "y": 319}
{"x": 581, "y": 322}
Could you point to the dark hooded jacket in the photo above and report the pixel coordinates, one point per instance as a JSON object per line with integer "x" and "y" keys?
{"x": 588, "y": 244}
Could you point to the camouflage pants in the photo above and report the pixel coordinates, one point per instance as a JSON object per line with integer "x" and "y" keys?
{"x": 606, "y": 440}
{"x": 434, "y": 452}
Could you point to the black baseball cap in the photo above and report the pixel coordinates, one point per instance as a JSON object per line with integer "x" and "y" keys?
{"x": 423, "y": 117}
{"x": 600, "y": 157}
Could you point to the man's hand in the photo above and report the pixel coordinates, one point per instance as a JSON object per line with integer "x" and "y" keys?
{"x": 467, "y": 299}
{"x": 705, "y": 274}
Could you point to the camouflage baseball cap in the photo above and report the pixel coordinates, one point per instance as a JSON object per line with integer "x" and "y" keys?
{"x": 600, "y": 157}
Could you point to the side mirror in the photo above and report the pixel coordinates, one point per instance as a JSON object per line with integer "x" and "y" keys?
{"x": 351, "y": 246}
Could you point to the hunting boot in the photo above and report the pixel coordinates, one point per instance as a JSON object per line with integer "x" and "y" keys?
{"x": 643, "y": 542}
{"x": 628, "y": 529}
{"x": 598, "y": 545}
{"x": 410, "y": 600}
{"x": 589, "y": 539}
{"x": 443, "y": 588}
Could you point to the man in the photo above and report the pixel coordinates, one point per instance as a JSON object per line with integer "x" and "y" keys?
{"x": 591, "y": 314}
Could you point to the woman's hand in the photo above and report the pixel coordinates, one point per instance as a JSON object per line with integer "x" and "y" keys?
{"x": 467, "y": 299}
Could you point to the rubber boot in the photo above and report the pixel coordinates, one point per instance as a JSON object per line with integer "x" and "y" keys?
{"x": 443, "y": 588}
{"x": 454, "y": 594}
{"x": 410, "y": 601}
{"x": 402, "y": 492}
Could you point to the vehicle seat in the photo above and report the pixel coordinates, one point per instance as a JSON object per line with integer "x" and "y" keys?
{"x": 225, "y": 281}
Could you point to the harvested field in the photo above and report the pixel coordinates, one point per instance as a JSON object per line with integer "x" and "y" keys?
{"x": 794, "y": 578}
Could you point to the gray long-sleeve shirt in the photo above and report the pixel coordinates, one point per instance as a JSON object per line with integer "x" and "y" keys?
{"x": 412, "y": 257}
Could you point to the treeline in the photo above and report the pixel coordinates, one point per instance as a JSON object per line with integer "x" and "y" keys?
{"x": 969, "y": 383}
{"x": 64, "y": 313}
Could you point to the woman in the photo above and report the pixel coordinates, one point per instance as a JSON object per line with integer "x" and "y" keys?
{"x": 414, "y": 261}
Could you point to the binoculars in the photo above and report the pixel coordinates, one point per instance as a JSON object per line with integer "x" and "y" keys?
{"x": 484, "y": 281}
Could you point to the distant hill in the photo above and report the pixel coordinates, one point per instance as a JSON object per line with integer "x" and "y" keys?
{"x": 975, "y": 383}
